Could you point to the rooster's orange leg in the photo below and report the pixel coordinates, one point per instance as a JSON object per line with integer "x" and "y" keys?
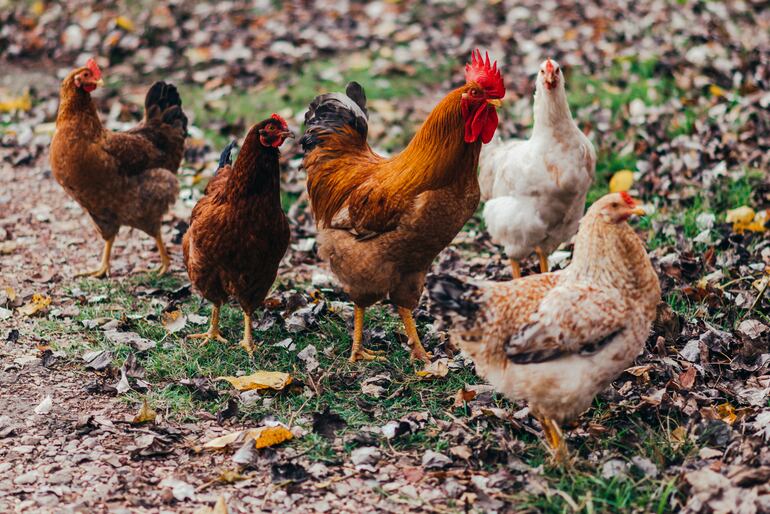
{"x": 213, "y": 332}
{"x": 247, "y": 343}
{"x": 418, "y": 352}
{"x": 543, "y": 259}
{"x": 358, "y": 351}
{"x": 515, "y": 268}
{"x": 104, "y": 268}
{"x": 165, "y": 261}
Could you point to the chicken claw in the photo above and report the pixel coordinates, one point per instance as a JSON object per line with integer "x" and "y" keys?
{"x": 247, "y": 343}
{"x": 104, "y": 268}
{"x": 358, "y": 352}
{"x": 418, "y": 352}
{"x": 213, "y": 333}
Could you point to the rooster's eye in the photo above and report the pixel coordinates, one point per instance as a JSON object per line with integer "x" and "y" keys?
{"x": 475, "y": 92}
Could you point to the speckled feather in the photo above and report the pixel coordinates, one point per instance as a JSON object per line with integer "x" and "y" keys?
{"x": 556, "y": 339}
{"x": 238, "y": 232}
{"x": 119, "y": 178}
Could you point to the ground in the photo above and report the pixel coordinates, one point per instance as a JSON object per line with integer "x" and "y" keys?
{"x": 673, "y": 92}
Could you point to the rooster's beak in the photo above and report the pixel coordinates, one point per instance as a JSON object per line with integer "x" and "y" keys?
{"x": 495, "y": 102}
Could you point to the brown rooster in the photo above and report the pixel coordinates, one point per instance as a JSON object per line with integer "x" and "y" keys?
{"x": 238, "y": 232}
{"x": 382, "y": 221}
{"x": 557, "y": 339}
{"x": 119, "y": 178}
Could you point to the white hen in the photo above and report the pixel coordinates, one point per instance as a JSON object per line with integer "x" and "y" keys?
{"x": 536, "y": 189}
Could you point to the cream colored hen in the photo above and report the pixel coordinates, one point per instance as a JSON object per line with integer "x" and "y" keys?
{"x": 557, "y": 339}
{"x": 535, "y": 190}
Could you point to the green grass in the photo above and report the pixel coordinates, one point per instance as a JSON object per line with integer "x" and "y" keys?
{"x": 292, "y": 93}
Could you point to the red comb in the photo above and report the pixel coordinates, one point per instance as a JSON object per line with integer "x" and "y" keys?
{"x": 627, "y": 198}
{"x": 548, "y": 65}
{"x": 91, "y": 65}
{"x": 486, "y": 74}
{"x": 280, "y": 120}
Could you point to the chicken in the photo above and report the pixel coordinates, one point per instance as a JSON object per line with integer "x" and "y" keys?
{"x": 557, "y": 339}
{"x": 535, "y": 190}
{"x": 119, "y": 178}
{"x": 382, "y": 221}
{"x": 238, "y": 232}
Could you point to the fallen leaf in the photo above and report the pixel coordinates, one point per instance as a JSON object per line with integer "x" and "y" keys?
{"x": 45, "y": 406}
{"x": 726, "y": 413}
{"x": 262, "y": 436}
{"x": 173, "y": 321}
{"x": 436, "y": 369}
{"x": 260, "y": 380}
{"x": 745, "y": 219}
{"x": 16, "y": 103}
{"x": 145, "y": 414}
{"x": 38, "y": 304}
{"x": 124, "y": 23}
{"x": 621, "y": 181}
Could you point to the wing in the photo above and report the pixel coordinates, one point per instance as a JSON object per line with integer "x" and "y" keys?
{"x": 571, "y": 318}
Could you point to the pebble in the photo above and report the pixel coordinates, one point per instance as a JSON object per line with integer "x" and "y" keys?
{"x": 30, "y": 477}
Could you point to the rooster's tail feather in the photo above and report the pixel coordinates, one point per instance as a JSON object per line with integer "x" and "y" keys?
{"x": 336, "y": 113}
{"x": 163, "y": 104}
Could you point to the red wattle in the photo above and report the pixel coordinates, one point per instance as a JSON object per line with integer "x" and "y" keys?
{"x": 89, "y": 87}
{"x": 483, "y": 122}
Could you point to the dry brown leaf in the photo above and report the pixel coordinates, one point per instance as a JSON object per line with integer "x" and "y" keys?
{"x": 145, "y": 414}
{"x": 260, "y": 380}
{"x": 173, "y": 321}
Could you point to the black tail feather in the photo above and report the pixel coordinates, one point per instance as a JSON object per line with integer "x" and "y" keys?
{"x": 163, "y": 100}
{"x": 226, "y": 158}
{"x": 452, "y": 299}
{"x": 330, "y": 112}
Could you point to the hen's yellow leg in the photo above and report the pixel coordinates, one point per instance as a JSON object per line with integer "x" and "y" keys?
{"x": 543, "y": 259}
{"x": 418, "y": 352}
{"x": 358, "y": 352}
{"x": 104, "y": 268}
{"x": 515, "y": 268}
{"x": 555, "y": 441}
{"x": 165, "y": 261}
{"x": 213, "y": 332}
{"x": 247, "y": 343}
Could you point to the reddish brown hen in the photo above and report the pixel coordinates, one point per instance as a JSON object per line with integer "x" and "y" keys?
{"x": 238, "y": 232}
{"x": 119, "y": 178}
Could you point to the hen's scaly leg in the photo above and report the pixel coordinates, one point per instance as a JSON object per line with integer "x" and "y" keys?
{"x": 247, "y": 343}
{"x": 358, "y": 351}
{"x": 165, "y": 261}
{"x": 213, "y": 332}
{"x": 555, "y": 441}
{"x": 515, "y": 268}
{"x": 418, "y": 352}
{"x": 543, "y": 259}
{"x": 104, "y": 268}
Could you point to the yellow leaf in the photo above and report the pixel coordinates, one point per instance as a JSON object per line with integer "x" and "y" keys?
{"x": 436, "y": 369}
{"x": 38, "y": 8}
{"x": 716, "y": 90}
{"x": 621, "y": 181}
{"x": 745, "y": 219}
{"x": 219, "y": 508}
{"x": 16, "y": 103}
{"x": 124, "y": 23}
{"x": 726, "y": 413}
{"x": 10, "y": 293}
{"x": 39, "y": 303}
{"x": 679, "y": 435}
{"x": 270, "y": 436}
{"x": 263, "y": 437}
{"x": 145, "y": 414}
{"x": 260, "y": 380}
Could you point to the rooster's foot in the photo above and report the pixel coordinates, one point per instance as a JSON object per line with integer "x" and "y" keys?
{"x": 367, "y": 355}
{"x": 208, "y": 336}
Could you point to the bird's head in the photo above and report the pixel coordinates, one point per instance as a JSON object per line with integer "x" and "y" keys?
{"x": 481, "y": 95}
{"x": 273, "y": 131}
{"x": 615, "y": 208}
{"x": 550, "y": 76}
{"x": 88, "y": 77}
